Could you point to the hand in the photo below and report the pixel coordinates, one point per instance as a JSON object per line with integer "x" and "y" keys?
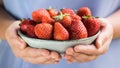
{"x": 85, "y": 53}
{"x": 32, "y": 55}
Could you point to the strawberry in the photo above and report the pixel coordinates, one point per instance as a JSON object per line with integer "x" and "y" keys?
{"x": 52, "y": 12}
{"x": 48, "y": 20}
{"x": 72, "y": 14}
{"x": 75, "y": 17}
{"x": 60, "y": 33}
{"x": 93, "y": 25}
{"x": 77, "y": 30}
{"x": 42, "y": 15}
{"x": 28, "y": 29}
{"x": 27, "y": 21}
{"x": 23, "y": 27}
{"x": 66, "y": 21}
{"x": 43, "y": 31}
{"x": 67, "y": 11}
{"x": 84, "y": 11}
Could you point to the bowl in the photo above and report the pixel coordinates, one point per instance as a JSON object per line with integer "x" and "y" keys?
{"x": 59, "y": 46}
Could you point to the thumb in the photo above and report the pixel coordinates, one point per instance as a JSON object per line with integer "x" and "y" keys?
{"x": 106, "y": 33}
{"x": 21, "y": 43}
{"x": 13, "y": 39}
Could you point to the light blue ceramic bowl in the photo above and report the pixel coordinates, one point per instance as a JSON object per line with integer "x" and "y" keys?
{"x": 59, "y": 46}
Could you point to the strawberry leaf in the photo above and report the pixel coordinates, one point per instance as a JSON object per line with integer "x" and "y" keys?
{"x": 60, "y": 16}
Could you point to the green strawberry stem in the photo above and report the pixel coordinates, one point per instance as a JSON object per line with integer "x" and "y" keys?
{"x": 87, "y": 17}
{"x": 60, "y": 16}
{"x": 21, "y": 21}
{"x": 97, "y": 17}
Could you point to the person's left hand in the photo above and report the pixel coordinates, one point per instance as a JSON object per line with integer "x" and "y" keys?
{"x": 85, "y": 53}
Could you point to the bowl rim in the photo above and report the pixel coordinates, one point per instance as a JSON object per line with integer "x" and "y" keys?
{"x": 21, "y": 34}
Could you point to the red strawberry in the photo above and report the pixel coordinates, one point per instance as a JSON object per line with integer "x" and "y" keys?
{"x": 27, "y": 21}
{"x": 66, "y": 21}
{"x": 23, "y": 27}
{"x": 77, "y": 30}
{"x": 42, "y": 15}
{"x": 43, "y": 30}
{"x": 93, "y": 25}
{"x": 28, "y": 29}
{"x": 60, "y": 33}
{"x": 67, "y": 11}
{"x": 71, "y": 13}
{"x": 75, "y": 17}
{"x": 84, "y": 11}
{"x": 48, "y": 20}
{"x": 52, "y": 12}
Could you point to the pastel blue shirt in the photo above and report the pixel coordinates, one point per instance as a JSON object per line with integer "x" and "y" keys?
{"x": 24, "y": 8}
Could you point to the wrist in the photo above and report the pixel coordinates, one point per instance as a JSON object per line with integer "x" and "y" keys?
{"x": 3, "y": 28}
{"x": 115, "y": 24}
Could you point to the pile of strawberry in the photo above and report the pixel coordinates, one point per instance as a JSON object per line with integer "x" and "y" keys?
{"x": 51, "y": 24}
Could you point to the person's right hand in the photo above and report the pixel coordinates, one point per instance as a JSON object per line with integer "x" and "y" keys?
{"x": 32, "y": 55}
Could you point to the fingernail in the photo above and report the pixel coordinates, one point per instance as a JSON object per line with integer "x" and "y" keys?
{"x": 77, "y": 49}
{"x": 53, "y": 57}
{"x": 70, "y": 52}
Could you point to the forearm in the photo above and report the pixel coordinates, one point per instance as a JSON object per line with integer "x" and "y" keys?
{"x": 114, "y": 19}
{"x": 5, "y": 21}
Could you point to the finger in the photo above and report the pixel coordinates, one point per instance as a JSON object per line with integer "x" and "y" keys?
{"x": 11, "y": 32}
{"x": 91, "y": 49}
{"x": 69, "y": 58}
{"x": 54, "y": 55}
{"x": 79, "y": 57}
{"x": 69, "y": 55}
{"x": 51, "y": 59}
{"x": 105, "y": 47}
{"x": 18, "y": 43}
{"x": 84, "y": 58}
{"x": 38, "y": 60}
{"x": 54, "y": 58}
{"x": 106, "y": 33}
{"x": 101, "y": 38}
{"x": 32, "y": 52}
{"x": 69, "y": 51}
{"x": 11, "y": 35}
{"x": 86, "y": 49}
